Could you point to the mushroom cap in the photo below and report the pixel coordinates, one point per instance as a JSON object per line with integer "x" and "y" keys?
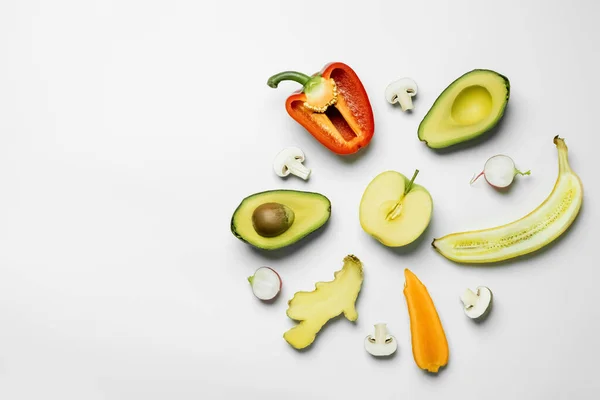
{"x": 387, "y": 348}
{"x": 403, "y": 85}
{"x": 483, "y": 304}
{"x": 283, "y": 157}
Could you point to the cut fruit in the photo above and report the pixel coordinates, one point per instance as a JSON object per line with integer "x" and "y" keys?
{"x": 528, "y": 234}
{"x": 395, "y": 210}
{"x": 278, "y": 218}
{"x": 328, "y": 300}
{"x": 470, "y": 106}
{"x": 429, "y": 343}
{"x": 266, "y": 283}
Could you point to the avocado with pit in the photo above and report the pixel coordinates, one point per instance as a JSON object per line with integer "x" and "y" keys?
{"x": 277, "y": 218}
{"x": 469, "y": 107}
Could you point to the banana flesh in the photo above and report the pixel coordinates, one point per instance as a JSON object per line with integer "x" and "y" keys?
{"x": 527, "y": 234}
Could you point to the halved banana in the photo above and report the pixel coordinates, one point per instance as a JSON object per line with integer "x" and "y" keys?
{"x": 530, "y": 233}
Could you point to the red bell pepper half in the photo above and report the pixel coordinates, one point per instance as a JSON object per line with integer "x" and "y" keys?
{"x": 332, "y": 105}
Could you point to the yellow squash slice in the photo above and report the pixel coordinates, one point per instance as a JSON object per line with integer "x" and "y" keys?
{"x": 530, "y": 233}
{"x": 328, "y": 300}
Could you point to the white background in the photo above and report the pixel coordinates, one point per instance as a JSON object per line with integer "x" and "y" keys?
{"x": 130, "y": 130}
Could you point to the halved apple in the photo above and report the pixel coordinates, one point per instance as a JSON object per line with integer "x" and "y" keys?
{"x": 395, "y": 210}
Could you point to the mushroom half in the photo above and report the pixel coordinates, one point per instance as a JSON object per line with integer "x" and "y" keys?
{"x": 402, "y": 91}
{"x": 289, "y": 161}
{"x": 477, "y": 304}
{"x": 381, "y": 344}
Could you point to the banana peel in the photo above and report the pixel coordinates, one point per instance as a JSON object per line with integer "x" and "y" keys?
{"x": 329, "y": 299}
{"x": 535, "y": 230}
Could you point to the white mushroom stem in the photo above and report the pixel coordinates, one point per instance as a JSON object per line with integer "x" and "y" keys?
{"x": 477, "y": 304}
{"x": 297, "y": 168}
{"x": 381, "y": 344}
{"x": 405, "y": 101}
{"x": 289, "y": 161}
{"x": 380, "y": 333}
{"x": 401, "y": 91}
{"x": 469, "y": 298}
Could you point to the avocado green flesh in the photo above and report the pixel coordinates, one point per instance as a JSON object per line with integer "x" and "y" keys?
{"x": 311, "y": 211}
{"x": 470, "y": 106}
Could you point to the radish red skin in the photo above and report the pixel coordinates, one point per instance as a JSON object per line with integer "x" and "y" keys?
{"x": 278, "y": 277}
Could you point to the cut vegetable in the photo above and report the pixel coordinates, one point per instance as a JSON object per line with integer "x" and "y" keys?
{"x": 477, "y": 304}
{"x": 381, "y": 344}
{"x": 266, "y": 283}
{"x": 289, "y": 161}
{"x": 401, "y": 91}
{"x": 429, "y": 343}
{"x": 332, "y": 105}
{"x": 530, "y": 233}
{"x": 499, "y": 171}
{"x": 328, "y": 300}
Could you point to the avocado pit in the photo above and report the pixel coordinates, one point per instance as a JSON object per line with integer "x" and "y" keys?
{"x": 272, "y": 219}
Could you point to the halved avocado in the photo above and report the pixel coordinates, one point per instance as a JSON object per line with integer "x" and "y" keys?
{"x": 277, "y": 218}
{"x": 470, "y": 106}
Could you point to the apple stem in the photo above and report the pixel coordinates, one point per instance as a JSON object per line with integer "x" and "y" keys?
{"x": 398, "y": 207}
{"x": 409, "y": 186}
{"x": 475, "y": 178}
{"x": 394, "y": 212}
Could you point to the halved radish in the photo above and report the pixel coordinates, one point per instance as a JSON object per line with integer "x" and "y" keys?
{"x": 266, "y": 283}
{"x": 499, "y": 171}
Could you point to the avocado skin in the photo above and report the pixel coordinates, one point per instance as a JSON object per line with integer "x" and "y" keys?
{"x": 441, "y": 98}
{"x": 312, "y": 228}
{"x": 237, "y": 235}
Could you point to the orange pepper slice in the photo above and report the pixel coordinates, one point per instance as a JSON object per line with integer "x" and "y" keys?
{"x": 429, "y": 343}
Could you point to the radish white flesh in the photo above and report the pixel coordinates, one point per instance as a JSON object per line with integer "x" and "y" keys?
{"x": 499, "y": 171}
{"x": 266, "y": 283}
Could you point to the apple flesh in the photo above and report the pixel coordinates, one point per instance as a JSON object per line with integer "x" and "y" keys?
{"x": 394, "y": 210}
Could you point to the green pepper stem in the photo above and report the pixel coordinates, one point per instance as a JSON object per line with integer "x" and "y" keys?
{"x": 288, "y": 76}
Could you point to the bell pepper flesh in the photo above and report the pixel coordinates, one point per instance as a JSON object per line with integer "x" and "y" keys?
{"x": 346, "y": 125}
{"x": 429, "y": 343}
